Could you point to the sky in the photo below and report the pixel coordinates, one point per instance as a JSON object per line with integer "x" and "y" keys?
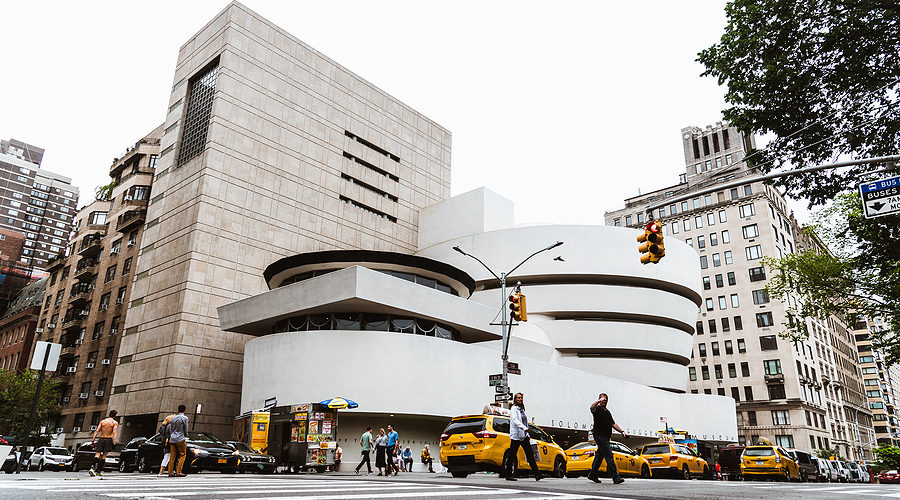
{"x": 566, "y": 108}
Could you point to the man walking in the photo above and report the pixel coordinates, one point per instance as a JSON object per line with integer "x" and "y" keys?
{"x": 108, "y": 430}
{"x": 366, "y": 442}
{"x": 518, "y": 437}
{"x": 392, "y": 451}
{"x": 603, "y": 426}
{"x": 178, "y": 429}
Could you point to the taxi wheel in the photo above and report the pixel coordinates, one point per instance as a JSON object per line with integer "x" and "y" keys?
{"x": 645, "y": 472}
{"x": 685, "y": 472}
{"x": 514, "y": 469}
{"x": 706, "y": 474}
{"x": 559, "y": 468}
{"x": 459, "y": 474}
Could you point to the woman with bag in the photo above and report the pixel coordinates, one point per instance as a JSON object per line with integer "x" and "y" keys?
{"x": 164, "y": 432}
{"x": 380, "y": 449}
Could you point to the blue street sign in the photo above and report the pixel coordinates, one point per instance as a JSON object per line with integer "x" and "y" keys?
{"x": 880, "y": 198}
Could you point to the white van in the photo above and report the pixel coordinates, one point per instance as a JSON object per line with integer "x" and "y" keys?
{"x": 826, "y": 475}
{"x": 842, "y": 473}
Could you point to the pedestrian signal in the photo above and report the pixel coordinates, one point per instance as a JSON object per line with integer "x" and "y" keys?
{"x": 651, "y": 243}
{"x": 517, "y": 307}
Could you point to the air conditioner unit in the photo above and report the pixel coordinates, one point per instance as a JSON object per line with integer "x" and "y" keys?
{"x": 114, "y": 251}
{"x": 131, "y": 243}
{"x": 89, "y": 366}
{"x": 93, "y": 427}
{"x": 76, "y": 429}
{"x": 120, "y": 301}
{"x": 105, "y": 362}
{"x": 128, "y": 197}
{"x": 71, "y": 369}
{"x": 38, "y": 330}
{"x": 59, "y": 430}
{"x": 79, "y": 342}
{"x": 103, "y": 307}
{"x": 65, "y": 399}
{"x": 51, "y": 326}
{"x": 99, "y": 394}
{"x": 83, "y": 395}
{"x": 83, "y": 313}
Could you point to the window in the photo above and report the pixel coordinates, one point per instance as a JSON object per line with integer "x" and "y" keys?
{"x": 754, "y": 252}
{"x": 764, "y": 319}
{"x": 747, "y": 210}
{"x": 772, "y": 366}
{"x": 734, "y": 193}
{"x": 126, "y": 267}
{"x": 686, "y": 223}
{"x": 760, "y": 296}
{"x": 120, "y": 297}
{"x": 776, "y": 391}
{"x": 714, "y": 345}
{"x": 709, "y": 304}
{"x": 757, "y": 273}
{"x": 673, "y": 210}
{"x": 725, "y": 328}
{"x": 98, "y": 331}
{"x": 104, "y": 302}
{"x": 751, "y": 231}
{"x": 732, "y": 370}
{"x": 728, "y": 258}
{"x": 710, "y": 219}
{"x": 736, "y": 395}
{"x": 701, "y": 242}
{"x": 617, "y": 222}
{"x": 722, "y": 217}
{"x": 748, "y": 190}
{"x": 718, "y": 369}
{"x": 698, "y": 222}
{"x": 726, "y": 238}
{"x": 675, "y": 228}
{"x": 704, "y": 372}
{"x": 768, "y": 343}
{"x": 731, "y": 280}
{"x": 693, "y": 373}
{"x": 198, "y": 109}
{"x": 113, "y": 329}
{"x": 684, "y": 206}
{"x": 689, "y": 242}
{"x": 713, "y": 239}
{"x": 738, "y": 325}
{"x": 748, "y": 396}
{"x": 703, "y": 262}
{"x": 701, "y": 349}
{"x": 699, "y": 328}
{"x": 723, "y": 303}
{"x": 717, "y": 261}
{"x": 627, "y": 220}
{"x": 696, "y": 201}
{"x": 719, "y": 282}
{"x": 110, "y": 274}
{"x": 706, "y": 285}
{"x": 745, "y": 369}
{"x": 734, "y": 300}
{"x": 781, "y": 417}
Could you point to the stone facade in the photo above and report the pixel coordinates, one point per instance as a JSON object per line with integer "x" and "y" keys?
{"x": 17, "y": 327}
{"x": 269, "y": 149}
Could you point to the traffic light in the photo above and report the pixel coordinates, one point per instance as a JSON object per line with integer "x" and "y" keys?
{"x": 517, "y": 308}
{"x": 651, "y": 243}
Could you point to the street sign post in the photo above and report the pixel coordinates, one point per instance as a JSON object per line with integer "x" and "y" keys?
{"x": 502, "y": 397}
{"x": 513, "y": 368}
{"x": 880, "y": 198}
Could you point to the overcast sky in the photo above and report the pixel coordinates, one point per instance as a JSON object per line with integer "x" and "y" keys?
{"x": 566, "y": 108}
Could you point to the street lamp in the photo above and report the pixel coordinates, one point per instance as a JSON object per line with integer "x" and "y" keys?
{"x": 858, "y": 437}
{"x": 504, "y": 382}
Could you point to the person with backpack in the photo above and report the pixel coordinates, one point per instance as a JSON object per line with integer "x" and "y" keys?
{"x": 164, "y": 432}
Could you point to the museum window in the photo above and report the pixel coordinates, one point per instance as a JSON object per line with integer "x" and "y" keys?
{"x": 201, "y": 89}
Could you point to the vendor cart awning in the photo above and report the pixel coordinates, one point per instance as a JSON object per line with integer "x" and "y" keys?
{"x": 338, "y": 403}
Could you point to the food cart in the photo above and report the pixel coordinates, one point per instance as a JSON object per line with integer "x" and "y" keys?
{"x": 252, "y": 429}
{"x": 304, "y": 436}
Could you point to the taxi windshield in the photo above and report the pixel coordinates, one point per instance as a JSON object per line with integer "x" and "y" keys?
{"x": 655, "y": 449}
{"x": 759, "y": 452}
{"x": 466, "y": 425}
{"x": 582, "y": 445}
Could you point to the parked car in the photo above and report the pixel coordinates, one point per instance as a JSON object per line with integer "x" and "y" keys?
{"x": 825, "y": 472}
{"x": 730, "y": 462}
{"x": 50, "y": 458}
{"x": 842, "y": 473}
{"x": 128, "y": 455}
{"x": 768, "y": 461}
{"x": 809, "y": 470}
{"x": 9, "y": 463}
{"x": 205, "y": 451}
{"x": 580, "y": 457}
{"x": 675, "y": 459}
{"x": 251, "y": 460}
{"x": 858, "y": 473}
{"x": 84, "y": 457}
{"x": 889, "y": 476}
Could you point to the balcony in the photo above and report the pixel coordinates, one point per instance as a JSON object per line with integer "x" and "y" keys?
{"x": 68, "y": 350}
{"x": 777, "y": 378}
{"x": 87, "y": 271}
{"x": 91, "y": 245}
{"x": 80, "y": 294}
{"x": 826, "y": 379}
{"x": 132, "y": 218}
{"x": 140, "y": 148}
{"x": 70, "y": 322}
{"x": 55, "y": 263}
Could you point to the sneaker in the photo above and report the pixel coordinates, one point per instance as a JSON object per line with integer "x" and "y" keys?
{"x": 510, "y": 478}
{"x": 618, "y": 480}
{"x": 91, "y": 472}
{"x": 594, "y": 478}
{"x": 538, "y": 477}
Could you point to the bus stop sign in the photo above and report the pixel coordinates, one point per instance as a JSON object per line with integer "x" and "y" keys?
{"x": 880, "y": 198}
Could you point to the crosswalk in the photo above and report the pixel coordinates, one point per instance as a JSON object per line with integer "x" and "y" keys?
{"x": 259, "y": 488}
{"x": 821, "y": 490}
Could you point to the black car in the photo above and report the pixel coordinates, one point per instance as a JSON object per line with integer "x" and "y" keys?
{"x": 128, "y": 455}
{"x": 205, "y": 451}
{"x": 253, "y": 461}
{"x": 9, "y": 464}
{"x": 84, "y": 457}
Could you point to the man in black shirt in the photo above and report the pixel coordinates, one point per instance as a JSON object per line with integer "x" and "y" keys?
{"x": 603, "y": 426}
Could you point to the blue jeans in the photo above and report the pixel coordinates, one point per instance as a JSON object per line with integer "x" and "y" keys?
{"x": 603, "y": 453}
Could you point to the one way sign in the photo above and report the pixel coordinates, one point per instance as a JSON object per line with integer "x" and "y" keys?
{"x": 880, "y": 198}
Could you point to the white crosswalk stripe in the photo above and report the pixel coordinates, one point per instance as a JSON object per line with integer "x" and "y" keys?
{"x": 258, "y": 488}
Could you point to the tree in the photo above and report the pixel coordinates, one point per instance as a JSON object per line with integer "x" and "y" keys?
{"x": 827, "y": 453}
{"x": 888, "y": 457}
{"x": 17, "y": 391}
{"x": 103, "y": 193}
{"x": 821, "y": 75}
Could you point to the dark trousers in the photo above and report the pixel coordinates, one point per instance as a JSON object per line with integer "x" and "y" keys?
{"x": 365, "y": 460}
{"x": 428, "y": 462}
{"x": 514, "y": 455}
{"x": 603, "y": 453}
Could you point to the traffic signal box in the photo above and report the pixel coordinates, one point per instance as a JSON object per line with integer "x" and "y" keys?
{"x": 517, "y": 307}
{"x": 651, "y": 243}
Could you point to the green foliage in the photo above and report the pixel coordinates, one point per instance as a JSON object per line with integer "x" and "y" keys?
{"x": 827, "y": 453}
{"x": 820, "y": 75}
{"x": 16, "y": 397}
{"x": 104, "y": 193}
{"x": 888, "y": 457}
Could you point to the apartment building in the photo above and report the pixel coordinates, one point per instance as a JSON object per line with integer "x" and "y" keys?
{"x": 779, "y": 385}
{"x": 88, "y": 289}
{"x": 36, "y": 202}
{"x": 17, "y": 326}
{"x": 881, "y": 384}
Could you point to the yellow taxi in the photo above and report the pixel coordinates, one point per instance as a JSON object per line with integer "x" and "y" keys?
{"x": 628, "y": 462}
{"x": 473, "y": 443}
{"x": 675, "y": 458}
{"x": 766, "y": 460}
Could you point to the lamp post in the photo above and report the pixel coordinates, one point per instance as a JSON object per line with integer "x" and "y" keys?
{"x": 504, "y": 333}
{"x": 858, "y": 437}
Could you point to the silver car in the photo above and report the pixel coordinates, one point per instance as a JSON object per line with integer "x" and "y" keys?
{"x": 825, "y": 472}
{"x": 50, "y": 458}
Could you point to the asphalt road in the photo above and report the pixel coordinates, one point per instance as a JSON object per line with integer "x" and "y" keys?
{"x": 61, "y": 485}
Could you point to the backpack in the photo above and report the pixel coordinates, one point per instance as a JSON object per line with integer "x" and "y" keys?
{"x": 165, "y": 431}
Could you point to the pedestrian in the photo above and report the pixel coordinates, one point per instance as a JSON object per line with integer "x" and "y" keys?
{"x": 380, "y": 452}
{"x": 367, "y": 443}
{"x": 393, "y": 447}
{"x": 108, "y": 431}
{"x": 426, "y": 458}
{"x": 407, "y": 460}
{"x": 518, "y": 437}
{"x": 338, "y": 455}
{"x": 177, "y": 447}
{"x": 603, "y": 426}
{"x": 164, "y": 439}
